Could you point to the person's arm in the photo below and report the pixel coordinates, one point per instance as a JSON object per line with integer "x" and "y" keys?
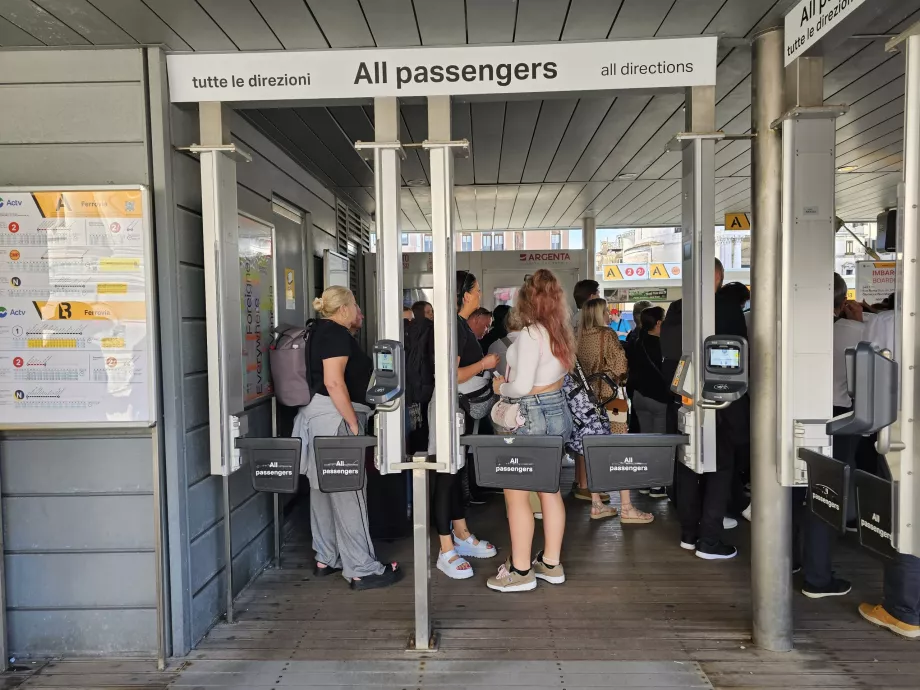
{"x": 464, "y": 374}
{"x": 334, "y": 380}
{"x": 528, "y": 358}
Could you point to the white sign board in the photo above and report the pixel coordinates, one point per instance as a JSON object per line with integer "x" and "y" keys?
{"x": 875, "y": 280}
{"x": 76, "y": 336}
{"x": 257, "y": 285}
{"x": 811, "y": 20}
{"x": 442, "y": 71}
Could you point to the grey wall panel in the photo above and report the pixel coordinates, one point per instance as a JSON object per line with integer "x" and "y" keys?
{"x": 196, "y": 399}
{"x": 197, "y": 454}
{"x": 194, "y": 358}
{"x": 71, "y": 465}
{"x": 95, "y": 113}
{"x": 191, "y": 291}
{"x": 187, "y": 182}
{"x": 83, "y": 632}
{"x": 91, "y": 164}
{"x": 71, "y": 66}
{"x": 190, "y": 249}
{"x": 204, "y": 505}
{"x": 81, "y": 580}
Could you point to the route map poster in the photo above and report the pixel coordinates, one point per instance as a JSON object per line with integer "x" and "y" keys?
{"x": 257, "y": 284}
{"x": 74, "y": 308}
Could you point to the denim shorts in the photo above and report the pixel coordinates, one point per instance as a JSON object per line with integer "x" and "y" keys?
{"x": 546, "y": 414}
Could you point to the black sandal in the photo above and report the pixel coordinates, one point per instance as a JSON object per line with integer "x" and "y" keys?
{"x": 323, "y": 572}
{"x": 390, "y": 576}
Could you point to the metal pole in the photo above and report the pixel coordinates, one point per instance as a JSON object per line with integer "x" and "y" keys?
{"x": 771, "y": 526}
{"x": 228, "y": 548}
{"x": 589, "y": 239}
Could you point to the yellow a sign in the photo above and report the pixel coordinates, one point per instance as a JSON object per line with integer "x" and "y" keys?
{"x": 612, "y": 272}
{"x": 737, "y": 221}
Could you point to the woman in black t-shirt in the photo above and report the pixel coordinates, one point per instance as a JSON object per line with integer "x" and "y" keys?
{"x": 457, "y": 543}
{"x": 339, "y": 373}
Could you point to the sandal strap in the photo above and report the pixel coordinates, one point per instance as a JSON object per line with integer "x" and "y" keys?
{"x": 447, "y": 556}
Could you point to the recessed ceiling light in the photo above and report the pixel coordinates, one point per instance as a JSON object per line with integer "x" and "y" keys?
{"x": 627, "y": 176}
{"x": 847, "y": 168}
{"x": 416, "y": 183}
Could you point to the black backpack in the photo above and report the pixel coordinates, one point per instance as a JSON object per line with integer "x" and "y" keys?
{"x": 419, "y": 346}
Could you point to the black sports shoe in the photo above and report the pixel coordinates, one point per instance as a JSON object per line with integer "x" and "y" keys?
{"x": 715, "y": 552}
{"x": 852, "y": 526}
{"x": 837, "y": 587}
{"x": 657, "y": 492}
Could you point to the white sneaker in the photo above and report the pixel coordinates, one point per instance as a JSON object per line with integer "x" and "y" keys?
{"x": 687, "y": 546}
{"x": 746, "y": 513}
{"x": 729, "y": 523}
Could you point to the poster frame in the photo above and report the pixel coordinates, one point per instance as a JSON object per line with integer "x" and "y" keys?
{"x": 247, "y": 406}
{"x": 150, "y": 294}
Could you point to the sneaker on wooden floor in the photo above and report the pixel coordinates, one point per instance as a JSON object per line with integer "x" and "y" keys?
{"x": 509, "y": 580}
{"x": 554, "y": 574}
{"x": 880, "y": 617}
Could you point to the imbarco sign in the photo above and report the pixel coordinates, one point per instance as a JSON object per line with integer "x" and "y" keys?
{"x": 443, "y": 71}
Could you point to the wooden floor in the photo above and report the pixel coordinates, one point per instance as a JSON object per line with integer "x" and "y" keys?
{"x": 637, "y": 611}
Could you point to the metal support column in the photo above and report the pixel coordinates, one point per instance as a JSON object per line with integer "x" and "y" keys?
{"x": 771, "y": 528}
{"x": 699, "y": 252}
{"x": 589, "y": 240}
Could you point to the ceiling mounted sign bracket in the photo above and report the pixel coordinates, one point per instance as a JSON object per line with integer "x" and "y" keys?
{"x": 367, "y": 148}
{"x": 679, "y": 140}
{"x": 231, "y": 150}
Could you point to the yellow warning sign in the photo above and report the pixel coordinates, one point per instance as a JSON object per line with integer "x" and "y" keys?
{"x": 737, "y": 221}
{"x": 612, "y": 272}
{"x": 658, "y": 271}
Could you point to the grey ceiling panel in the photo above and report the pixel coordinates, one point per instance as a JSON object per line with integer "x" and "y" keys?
{"x": 689, "y": 17}
{"x": 561, "y": 204}
{"x": 853, "y": 85}
{"x": 590, "y": 19}
{"x": 422, "y": 196}
{"x": 652, "y": 120}
{"x": 526, "y": 196}
{"x": 411, "y": 208}
{"x": 583, "y": 204}
{"x": 242, "y": 23}
{"x": 342, "y": 23}
{"x": 738, "y": 17}
{"x": 728, "y": 153}
{"x": 867, "y": 153}
{"x": 640, "y": 18}
{"x": 485, "y": 207}
{"x": 140, "y": 22}
{"x": 774, "y": 15}
{"x": 88, "y": 21}
{"x": 192, "y": 24}
{"x": 655, "y": 147}
{"x": 554, "y": 117}
{"x": 462, "y": 129}
{"x": 894, "y": 160}
{"x": 41, "y": 24}
{"x": 611, "y": 192}
{"x": 520, "y": 121}
{"x": 441, "y": 22}
{"x": 666, "y": 167}
{"x": 542, "y": 203}
{"x": 465, "y": 198}
{"x": 412, "y": 168}
{"x": 894, "y": 123}
{"x": 733, "y": 103}
{"x": 354, "y": 122}
{"x": 488, "y": 120}
{"x": 540, "y": 20}
{"x": 504, "y": 205}
{"x": 292, "y": 23}
{"x": 633, "y": 189}
{"x": 662, "y": 208}
{"x": 891, "y": 92}
{"x": 628, "y": 213}
{"x": 490, "y": 21}
{"x": 897, "y": 17}
{"x": 415, "y": 128}
{"x": 12, "y": 35}
{"x": 846, "y": 181}
{"x": 736, "y": 165}
{"x": 293, "y": 148}
{"x": 327, "y": 130}
{"x": 392, "y": 22}
{"x": 588, "y": 116}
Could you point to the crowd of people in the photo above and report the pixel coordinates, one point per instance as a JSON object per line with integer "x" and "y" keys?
{"x": 524, "y": 355}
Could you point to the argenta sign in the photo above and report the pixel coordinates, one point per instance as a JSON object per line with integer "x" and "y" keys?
{"x": 437, "y": 71}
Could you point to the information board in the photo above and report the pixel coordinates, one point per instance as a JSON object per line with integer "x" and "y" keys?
{"x": 257, "y": 285}
{"x": 875, "y": 280}
{"x": 76, "y": 315}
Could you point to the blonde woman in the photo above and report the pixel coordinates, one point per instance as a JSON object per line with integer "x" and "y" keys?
{"x": 600, "y": 352}
{"x": 339, "y": 372}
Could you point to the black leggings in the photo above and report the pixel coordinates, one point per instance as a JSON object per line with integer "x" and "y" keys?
{"x": 448, "y": 502}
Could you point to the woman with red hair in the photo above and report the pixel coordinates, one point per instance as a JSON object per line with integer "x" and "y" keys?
{"x": 538, "y": 361}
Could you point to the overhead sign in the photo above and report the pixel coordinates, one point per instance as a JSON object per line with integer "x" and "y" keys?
{"x": 875, "y": 280}
{"x": 811, "y": 20}
{"x": 443, "y": 71}
{"x": 75, "y": 312}
{"x": 544, "y": 257}
{"x": 660, "y": 271}
{"x": 737, "y": 221}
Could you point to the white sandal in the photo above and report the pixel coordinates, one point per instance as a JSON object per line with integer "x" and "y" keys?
{"x": 454, "y": 569}
{"x": 470, "y": 549}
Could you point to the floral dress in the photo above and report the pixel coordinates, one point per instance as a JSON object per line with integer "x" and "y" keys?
{"x": 599, "y": 351}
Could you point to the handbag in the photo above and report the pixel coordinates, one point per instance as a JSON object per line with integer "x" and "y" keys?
{"x": 589, "y": 417}
{"x": 507, "y": 416}
{"x": 479, "y": 403}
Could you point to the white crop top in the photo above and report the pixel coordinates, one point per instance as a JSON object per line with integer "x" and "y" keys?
{"x": 531, "y": 363}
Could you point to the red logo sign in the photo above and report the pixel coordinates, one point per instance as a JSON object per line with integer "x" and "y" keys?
{"x": 14, "y": 227}
{"x": 640, "y": 271}
{"x": 17, "y": 362}
{"x": 544, "y": 256}
{"x": 629, "y": 272}
{"x": 115, "y": 228}
{"x": 675, "y": 270}
{"x": 111, "y": 362}
{"x": 14, "y": 255}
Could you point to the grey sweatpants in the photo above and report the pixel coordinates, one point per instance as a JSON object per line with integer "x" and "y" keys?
{"x": 652, "y": 414}
{"x": 341, "y": 537}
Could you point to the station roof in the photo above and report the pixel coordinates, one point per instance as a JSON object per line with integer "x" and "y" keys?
{"x": 534, "y": 163}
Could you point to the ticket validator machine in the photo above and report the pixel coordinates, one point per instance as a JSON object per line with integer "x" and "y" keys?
{"x": 723, "y": 379}
{"x": 389, "y": 380}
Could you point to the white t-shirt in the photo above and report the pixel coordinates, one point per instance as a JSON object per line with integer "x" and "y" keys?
{"x": 880, "y": 331}
{"x": 847, "y": 334}
{"x": 531, "y": 363}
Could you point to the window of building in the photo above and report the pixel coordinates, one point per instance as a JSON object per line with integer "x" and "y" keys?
{"x": 428, "y": 244}
{"x": 487, "y": 243}
{"x": 405, "y": 239}
{"x": 500, "y": 242}
{"x": 849, "y": 250}
{"x": 519, "y": 240}
{"x": 555, "y": 240}
{"x": 466, "y": 243}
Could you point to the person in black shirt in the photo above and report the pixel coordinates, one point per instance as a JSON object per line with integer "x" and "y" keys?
{"x": 339, "y": 373}
{"x": 702, "y": 500}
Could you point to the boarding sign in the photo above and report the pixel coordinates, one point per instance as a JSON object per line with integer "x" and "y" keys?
{"x": 442, "y": 71}
{"x": 75, "y": 310}
{"x": 811, "y": 20}
{"x": 875, "y": 280}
